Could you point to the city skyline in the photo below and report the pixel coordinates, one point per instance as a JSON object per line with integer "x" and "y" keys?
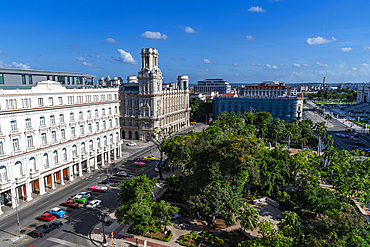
{"x": 246, "y": 41}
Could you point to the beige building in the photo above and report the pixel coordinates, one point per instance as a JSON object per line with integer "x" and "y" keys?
{"x": 146, "y": 103}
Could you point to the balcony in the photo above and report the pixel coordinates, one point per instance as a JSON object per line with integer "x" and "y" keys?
{"x": 21, "y": 179}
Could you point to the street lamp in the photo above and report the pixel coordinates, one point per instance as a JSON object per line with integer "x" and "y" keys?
{"x": 103, "y": 220}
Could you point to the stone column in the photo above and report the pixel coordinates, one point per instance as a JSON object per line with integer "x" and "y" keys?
{"x": 102, "y": 159}
{"x": 80, "y": 169}
{"x": 109, "y": 158}
{"x": 14, "y": 196}
{"x": 41, "y": 185}
{"x": 95, "y": 162}
{"x": 115, "y": 153}
{"x": 62, "y": 177}
{"x": 28, "y": 191}
{"x": 88, "y": 163}
{"x": 120, "y": 150}
{"x": 70, "y": 173}
{"x": 52, "y": 178}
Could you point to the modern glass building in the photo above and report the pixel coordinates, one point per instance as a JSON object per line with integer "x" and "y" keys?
{"x": 284, "y": 108}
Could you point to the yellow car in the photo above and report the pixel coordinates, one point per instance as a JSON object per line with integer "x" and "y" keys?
{"x": 149, "y": 157}
{"x": 356, "y": 134}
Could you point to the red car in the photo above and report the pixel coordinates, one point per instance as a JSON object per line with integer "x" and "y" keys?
{"x": 143, "y": 160}
{"x": 139, "y": 163}
{"x": 71, "y": 204}
{"x": 47, "y": 217}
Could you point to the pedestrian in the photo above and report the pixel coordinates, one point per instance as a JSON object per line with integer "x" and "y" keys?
{"x": 137, "y": 242}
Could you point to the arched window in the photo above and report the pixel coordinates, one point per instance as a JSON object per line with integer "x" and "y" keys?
{"x": 3, "y": 176}
{"x": 74, "y": 151}
{"x": 105, "y": 141}
{"x": 45, "y": 160}
{"x": 117, "y": 137}
{"x": 64, "y": 154}
{"x": 83, "y": 148}
{"x": 90, "y": 146}
{"x": 32, "y": 164}
{"x": 98, "y": 143}
{"x": 111, "y": 138}
{"x": 55, "y": 157}
{"x": 18, "y": 169}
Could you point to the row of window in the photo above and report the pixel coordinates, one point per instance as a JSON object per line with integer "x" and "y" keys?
{"x": 18, "y": 170}
{"x": 26, "y": 102}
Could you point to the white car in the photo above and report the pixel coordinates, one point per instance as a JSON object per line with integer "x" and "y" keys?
{"x": 131, "y": 144}
{"x": 84, "y": 194}
{"x": 93, "y": 204}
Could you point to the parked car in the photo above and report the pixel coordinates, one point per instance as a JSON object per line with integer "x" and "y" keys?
{"x": 176, "y": 216}
{"x": 360, "y": 143}
{"x": 71, "y": 203}
{"x": 143, "y": 160}
{"x": 353, "y": 138}
{"x": 84, "y": 194}
{"x": 121, "y": 174}
{"x": 93, "y": 204}
{"x": 98, "y": 188}
{"x": 57, "y": 212}
{"x": 79, "y": 199}
{"x": 356, "y": 134}
{"x": 139, "y": 163}
{"x": 151, "y": 157}
{"x": 164, "y": 167}
{"x": 131, "y": 144}
{"x": 46, "y": 228}
{"x": 47, "y": 217}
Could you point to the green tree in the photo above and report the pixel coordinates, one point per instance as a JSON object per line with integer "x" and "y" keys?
{"x": 248, "y": 218}
{"x": 290, "y": 218}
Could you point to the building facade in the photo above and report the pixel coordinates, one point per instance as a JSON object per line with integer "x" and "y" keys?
{"x": 26, "y": 79}
{"x": 50, "y": 134}
{"x": 265, "y": 89}
{"x": 146, "y": 103}
{"x": 284, "y": 108}
{"x": 363, "y": 94}
{"x": 212, "y": 85}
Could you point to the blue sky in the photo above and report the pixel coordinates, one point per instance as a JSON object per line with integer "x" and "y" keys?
{"x": 239, "y": 41}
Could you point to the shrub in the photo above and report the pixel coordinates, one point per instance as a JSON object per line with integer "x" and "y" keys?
{"x": 195, "y": 236}
{"x": 169, "y": 232}
{"x": 219, "y": 241}
{"x": 210, "y": 238}
{"x": 204, "y": 234}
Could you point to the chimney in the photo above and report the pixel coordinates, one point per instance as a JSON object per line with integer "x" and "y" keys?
{"x": 323, "y": 83}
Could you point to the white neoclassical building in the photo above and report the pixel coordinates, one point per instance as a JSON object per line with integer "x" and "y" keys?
{"x": 363, "y": 94}
{"x": 50, "y": 134}
{"x": 146, "y": 103}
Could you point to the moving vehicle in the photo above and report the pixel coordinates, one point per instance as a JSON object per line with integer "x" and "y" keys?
{"x": 46, "y": 228}
{"x": 71, "y": 203}
{"x": 139, "y": 163}
{"x": 121, "y": 174}
{"x": 143, "y": 160}
{"x": 356, "y": 134}
{"x": 131, "y": 144}
{"x": 98, "y": 188}
{"x": 151, "y": 157}
{"x": 193, "y": 123}
{"x": 47, "y": 217}
{"x": 348, "y": 129}
{"x": 57, "y": 212}
{"x": 93, "y": 204}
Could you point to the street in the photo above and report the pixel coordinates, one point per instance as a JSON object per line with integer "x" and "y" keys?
{"x": 79, "y": 221}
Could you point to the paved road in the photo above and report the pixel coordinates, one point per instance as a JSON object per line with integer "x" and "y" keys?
{"x": 79, "y": 221}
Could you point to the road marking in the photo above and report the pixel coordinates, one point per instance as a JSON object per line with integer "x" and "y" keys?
{"x": 63, "y": 242}
{"x": 13, "y": 234}
{"x": 23, "y": 242}
{"x": 43, "y": 203}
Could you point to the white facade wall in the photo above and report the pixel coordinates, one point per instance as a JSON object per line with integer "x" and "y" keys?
{"x": 50, "y": 133}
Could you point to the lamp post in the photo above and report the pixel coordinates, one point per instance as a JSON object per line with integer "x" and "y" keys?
{"x": 103, "y": 220}
{"x": 16, "y": 209}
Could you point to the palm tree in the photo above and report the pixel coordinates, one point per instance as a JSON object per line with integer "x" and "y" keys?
{"x": 290, "y": 218}
{"x": 320, "y": 128}
{"x": 328, "y": 117}
{"x": 248, "y": 218}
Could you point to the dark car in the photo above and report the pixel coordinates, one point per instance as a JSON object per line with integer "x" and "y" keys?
{"x": 360, "y": 143}
{"x": 46, "y": 228}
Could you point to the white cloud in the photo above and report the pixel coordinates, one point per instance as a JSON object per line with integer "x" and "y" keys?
{"x": 207, "y": 61}
{"x": 153, "y": 35}
{"x": 235, "y": 64}
{"x": 255, "y": 64}
{"x": 89, "y": 65}
{"x": 306, "y": 65}
{"x": 353, "y": 68}
{"x": 297, "y": 65}
{"x": 188, "y": 29}
{"x": 110, "y": 41}
{"x": 365, "y": 65}
{"x": 257, "y": 9}
{"x": 81, "y": 59}
{"x": 366, "y": 48}
{"x": 15, "y": 65}
{"x": 125, "y": 57}
{"x": 346, "y": 49}
{"x": 322, "y": 65}
{"x": 97, "y": 56}
{"x": 250, "y": 38}
{"x": 271, "y": 66}
{"x": 3, "y": 53}
{"x": 320, "y": 40}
